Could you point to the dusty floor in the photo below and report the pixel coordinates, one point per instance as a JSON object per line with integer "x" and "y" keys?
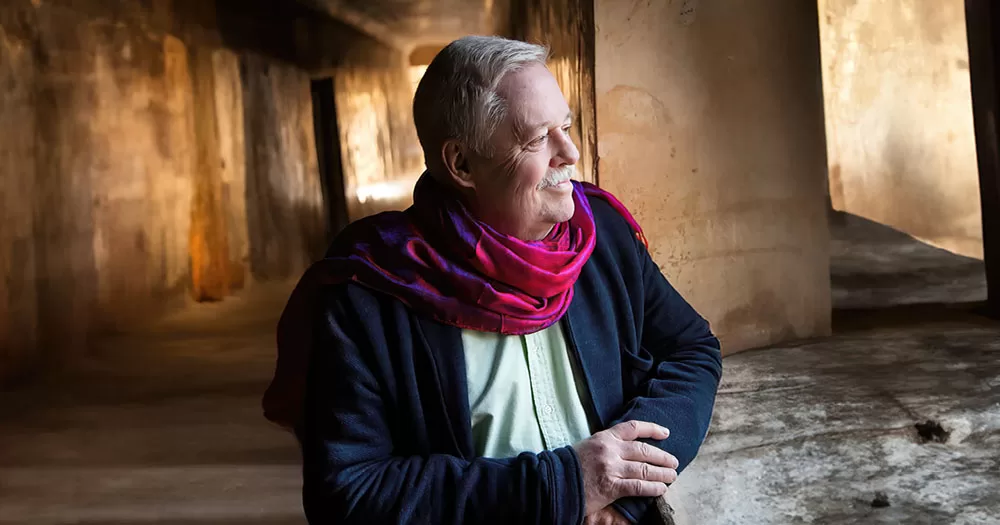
{"x": 874, "y": 266}
{"x": 163, "y": 426}
{"x": 811, "y": 433}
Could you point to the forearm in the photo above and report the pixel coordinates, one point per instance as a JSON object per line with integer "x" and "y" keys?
{"x": 680, "y": 390}
{"x": 680, "y": 395}
{"x": 531, "y": 488}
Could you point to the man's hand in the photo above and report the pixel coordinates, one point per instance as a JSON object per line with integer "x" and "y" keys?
{"x": 606, "y": 516}
{"x": 615, "y": 465}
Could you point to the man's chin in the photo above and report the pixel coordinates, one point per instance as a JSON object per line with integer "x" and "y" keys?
{"x": 565, "y": 211}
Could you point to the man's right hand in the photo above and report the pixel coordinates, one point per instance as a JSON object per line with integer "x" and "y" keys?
{"x": 615, "y": 465}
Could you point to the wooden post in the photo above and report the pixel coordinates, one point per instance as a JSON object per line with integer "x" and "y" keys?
{"x": 982, "y": 18}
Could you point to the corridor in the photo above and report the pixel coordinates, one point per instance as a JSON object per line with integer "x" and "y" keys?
{"x": 814, "y": 177}
{"x": 161, "y": 425}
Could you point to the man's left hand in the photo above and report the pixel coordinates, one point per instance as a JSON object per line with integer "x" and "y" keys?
{"x": 607, "y": 516}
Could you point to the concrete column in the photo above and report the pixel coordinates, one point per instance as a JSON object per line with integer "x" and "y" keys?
{"x": 710, "y": 128}
{"x": 284, "y": 198}
{"x": 209, "y": 241}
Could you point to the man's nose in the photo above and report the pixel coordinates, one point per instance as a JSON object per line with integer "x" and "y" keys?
{"x": 566, "y": 154}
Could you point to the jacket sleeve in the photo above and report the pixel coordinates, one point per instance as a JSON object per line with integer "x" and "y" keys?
{"x": 352, "y": 474}
{"x": 680, "y": 391}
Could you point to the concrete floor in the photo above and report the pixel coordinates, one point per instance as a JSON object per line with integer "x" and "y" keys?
{"x": 163, "y": 425}
{"x": 874, "y": 266}
{"x": 810, "y": 433}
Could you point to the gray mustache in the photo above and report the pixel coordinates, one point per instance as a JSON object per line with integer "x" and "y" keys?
{"x": 557, "y": 175}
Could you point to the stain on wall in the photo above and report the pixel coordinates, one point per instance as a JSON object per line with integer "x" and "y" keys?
{"x": 710, "y": 128}
{"x": 899, "y": 118}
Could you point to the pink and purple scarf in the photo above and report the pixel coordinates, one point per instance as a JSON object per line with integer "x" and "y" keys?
{"x": 441, "y": 262}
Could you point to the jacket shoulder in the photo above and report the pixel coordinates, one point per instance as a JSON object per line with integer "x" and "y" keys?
{"x": 611, "y": 226}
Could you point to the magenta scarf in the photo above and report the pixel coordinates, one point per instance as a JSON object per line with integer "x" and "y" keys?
{"x": 441, "y": 262}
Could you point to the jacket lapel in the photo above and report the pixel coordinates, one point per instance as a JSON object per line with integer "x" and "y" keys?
{"x": 593, "y": 338}
{"x": 443, "y": 345}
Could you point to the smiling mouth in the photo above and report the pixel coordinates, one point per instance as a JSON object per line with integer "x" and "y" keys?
{"x": 561, "y": 185}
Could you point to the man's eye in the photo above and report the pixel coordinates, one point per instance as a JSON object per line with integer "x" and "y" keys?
{"x": 539, "y": 140}
{"x": 566, "y": 129}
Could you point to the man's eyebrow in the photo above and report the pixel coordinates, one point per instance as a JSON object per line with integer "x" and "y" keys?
{"x": 522, "y": 131}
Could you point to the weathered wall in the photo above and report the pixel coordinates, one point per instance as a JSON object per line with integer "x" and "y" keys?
{"x": 567, "y": 28}
{"x": 18, "y": 296}
{"x": 710, "y": 128}
{"x": 285, "y": 200}
{"x": 381, "y": 154}
{"x": 124, "y": 159}
{"x": 899, "y": 117}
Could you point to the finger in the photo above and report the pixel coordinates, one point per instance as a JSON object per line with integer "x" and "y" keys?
{"x": 633, "y": 430}
{"x": 645, "y": 471}
{"x": 638, "y": 451}
{"x": 639, "y": 488}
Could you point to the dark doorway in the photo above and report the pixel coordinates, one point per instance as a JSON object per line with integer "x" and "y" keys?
{"x": 331, "y": 170}
{"x": 982, "y": 19}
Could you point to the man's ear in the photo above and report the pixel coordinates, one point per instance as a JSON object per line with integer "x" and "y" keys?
{"x": 456, "y": 164}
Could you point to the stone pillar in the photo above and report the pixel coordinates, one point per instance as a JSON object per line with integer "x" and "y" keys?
{"x": 209, "y": 234}
{"x": 710, "y": 128}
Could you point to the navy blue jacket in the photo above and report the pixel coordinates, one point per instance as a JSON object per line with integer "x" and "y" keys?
{"x": 386, "y": 435}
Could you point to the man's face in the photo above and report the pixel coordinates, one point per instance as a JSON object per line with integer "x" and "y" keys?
{"x": 523, "y": 188}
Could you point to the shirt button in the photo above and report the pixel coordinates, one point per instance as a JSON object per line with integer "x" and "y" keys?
{"x": 548, "y": 410}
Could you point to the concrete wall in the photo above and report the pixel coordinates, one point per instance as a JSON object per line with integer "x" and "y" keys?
{"x": 285, "y": 205}
{"x": 899, "y": 117}
{"x": 18, "y": 295}
{"x": 379, "y": 148}
{"x": 710, "y": 128}
{"x": 128, "y": 165}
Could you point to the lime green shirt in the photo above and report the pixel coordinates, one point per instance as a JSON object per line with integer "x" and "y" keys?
{"x": 523, "y": 393}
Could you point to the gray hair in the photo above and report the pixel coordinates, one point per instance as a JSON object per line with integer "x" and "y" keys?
{"x": 457, "y": 98}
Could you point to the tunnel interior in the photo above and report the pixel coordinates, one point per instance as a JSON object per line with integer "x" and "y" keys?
{"x": 809, "y": 175}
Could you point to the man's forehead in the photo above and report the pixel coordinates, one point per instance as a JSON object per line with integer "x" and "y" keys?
{"x": 534, "y": 99}
{"x": 531, "y": 117}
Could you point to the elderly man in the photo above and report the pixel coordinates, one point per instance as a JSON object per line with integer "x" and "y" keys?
{"x": 503, "y": 351}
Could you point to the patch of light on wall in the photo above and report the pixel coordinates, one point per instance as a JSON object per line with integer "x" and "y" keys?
{"x": 389, "y": 190}
{"x": 416, "y": 73}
